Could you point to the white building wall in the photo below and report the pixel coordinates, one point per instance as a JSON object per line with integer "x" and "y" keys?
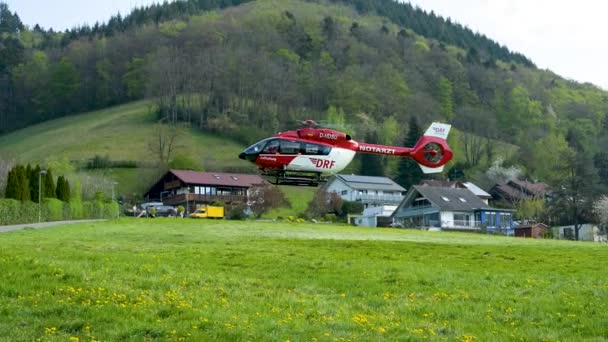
{"x": 447, "y": 219}
{"x": 338, "y": 187}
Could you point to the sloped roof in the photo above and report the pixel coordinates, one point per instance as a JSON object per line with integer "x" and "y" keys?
{"x": 439, "y": 183}
{"x": 531, "y": 225}
{"x": 479, "y": 192}
{"x": 507, "y": 192}
{"x": 457, "y": 199}
{"x": 217, "y": 178}
{"x": 536, "y": 189}
{"x": 456, "y": 184}
{"x": 370, "y": 183}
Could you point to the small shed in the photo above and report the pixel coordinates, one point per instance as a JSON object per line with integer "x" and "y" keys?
{"x": 535, "y": 230}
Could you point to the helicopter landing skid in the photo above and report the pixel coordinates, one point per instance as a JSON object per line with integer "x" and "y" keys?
{"x": 301, "y": 179}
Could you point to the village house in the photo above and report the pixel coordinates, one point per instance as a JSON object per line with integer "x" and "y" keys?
{"x": 193, "y": 188}
{"x": 517, "y": 190}
{"x": 529, "y": 229}
{"x": 370, "y": 191}
{"x": 449, "y": 208}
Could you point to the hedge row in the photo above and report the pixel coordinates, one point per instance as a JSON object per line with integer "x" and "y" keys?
{"x": 52, "y": 209}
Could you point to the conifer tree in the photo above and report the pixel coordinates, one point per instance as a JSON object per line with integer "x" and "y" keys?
{"x": 63, "y": 189}
{"x": 34, "y": 177}
{"x": 11, "y": 185}
{"x": 66, "y": 190}
{"x": 49, "y": 185}
{"x": 409, "y": 173}
{"x": 59, "y": 188}
{"x": 23, "y": 183}
{"x": 372, "y": 165}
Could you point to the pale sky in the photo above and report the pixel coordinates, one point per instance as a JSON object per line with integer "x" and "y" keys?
{"x": 563, "y": 36}
{"x": 567, "y": 37}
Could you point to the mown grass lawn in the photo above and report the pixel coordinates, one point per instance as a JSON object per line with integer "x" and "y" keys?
{"x": 173, "y": 279}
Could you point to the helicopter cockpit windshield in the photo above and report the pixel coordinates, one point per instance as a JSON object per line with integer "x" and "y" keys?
{"x": 252, "y": 151}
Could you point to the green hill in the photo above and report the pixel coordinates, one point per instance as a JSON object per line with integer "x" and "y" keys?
{"x": 123, "y": 133}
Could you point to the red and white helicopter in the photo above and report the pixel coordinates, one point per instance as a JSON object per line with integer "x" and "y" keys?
{"x": 307, "y": 155}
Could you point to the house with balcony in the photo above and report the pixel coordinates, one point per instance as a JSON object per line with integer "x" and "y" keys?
{"x": 370, "y": 191}
{"x": 449, "y": 208}
{"x": 192, "y": 188}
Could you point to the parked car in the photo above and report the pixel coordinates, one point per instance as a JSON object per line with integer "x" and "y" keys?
{"x": 162, "y": 211}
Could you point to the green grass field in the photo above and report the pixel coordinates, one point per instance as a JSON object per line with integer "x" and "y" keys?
{"x": 173, "y": 279}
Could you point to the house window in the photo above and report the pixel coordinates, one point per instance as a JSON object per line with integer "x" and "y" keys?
{"x": 462, "y": 220}
{"x": 505, "y": 220}
{"x": 344, "y": 192}
{"x": 490, "y": 219}
{"x": 445, "y": 198}
{"x": 462, "y": 200}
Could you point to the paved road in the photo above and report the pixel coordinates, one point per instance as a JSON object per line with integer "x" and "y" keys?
{"x": 4, "y": 229}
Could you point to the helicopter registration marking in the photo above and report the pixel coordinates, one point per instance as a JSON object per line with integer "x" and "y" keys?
{"x": 328, "y": 136}
{"x": 322, "y": 163}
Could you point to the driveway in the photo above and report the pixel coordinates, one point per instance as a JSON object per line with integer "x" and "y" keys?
{"x": 4, "y": 229}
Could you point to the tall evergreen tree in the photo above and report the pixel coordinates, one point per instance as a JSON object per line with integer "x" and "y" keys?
{"x": 63, "y": 189}
{"x": 67, "y": 192}
{"x": 34, "y": 180}
{"x": 59, "y": 188}
{"x": 49, "y": 185}
{"x": 371, "y": 164}
{"x": 11, "y": 185}
{"x": 409, "y": 173}
{"x": 23, "y": 183}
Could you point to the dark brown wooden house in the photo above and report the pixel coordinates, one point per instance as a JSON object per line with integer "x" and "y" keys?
{"x": 193, "y": 188}
{"x": 517, "y": 190}
{"x": 534, "y": 230}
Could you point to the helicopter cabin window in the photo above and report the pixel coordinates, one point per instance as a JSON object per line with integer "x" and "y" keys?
{"x": 290, "y": 147}
{"x": 271, "y": 147}
{"x": 314, "y": 149}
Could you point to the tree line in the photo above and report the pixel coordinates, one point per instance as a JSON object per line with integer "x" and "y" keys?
{"x": 23, "y": 184}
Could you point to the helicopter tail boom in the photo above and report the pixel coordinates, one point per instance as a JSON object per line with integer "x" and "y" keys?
{"x": 431, "y": 151}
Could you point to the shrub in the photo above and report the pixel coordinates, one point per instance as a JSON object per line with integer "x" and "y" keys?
{"x": 87, "y": 210}
{"x": 152, "y": 212}
{"x": 67, "y": 212}
{"x": 28, "y": 212}
{"x": 110, "y": 210}
{"x": 330, "y": 218}
{"x": 9, "y": 211}
{"x": 236, "y": 213}
{"x": 53, "y": 209}
{"x": 76, "y": 209}
{"x": 97, "y": 209}
{"x": 349, "y": 207}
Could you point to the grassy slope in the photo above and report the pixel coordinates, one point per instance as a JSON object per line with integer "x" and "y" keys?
{"x": 122, "y": 133}
{"x": 216, "y": 280}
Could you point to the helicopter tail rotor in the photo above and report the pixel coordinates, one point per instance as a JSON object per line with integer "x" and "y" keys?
{"x": 432, "y": 151}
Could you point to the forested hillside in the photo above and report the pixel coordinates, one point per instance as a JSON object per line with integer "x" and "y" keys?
{"x": 246, "y": 69}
